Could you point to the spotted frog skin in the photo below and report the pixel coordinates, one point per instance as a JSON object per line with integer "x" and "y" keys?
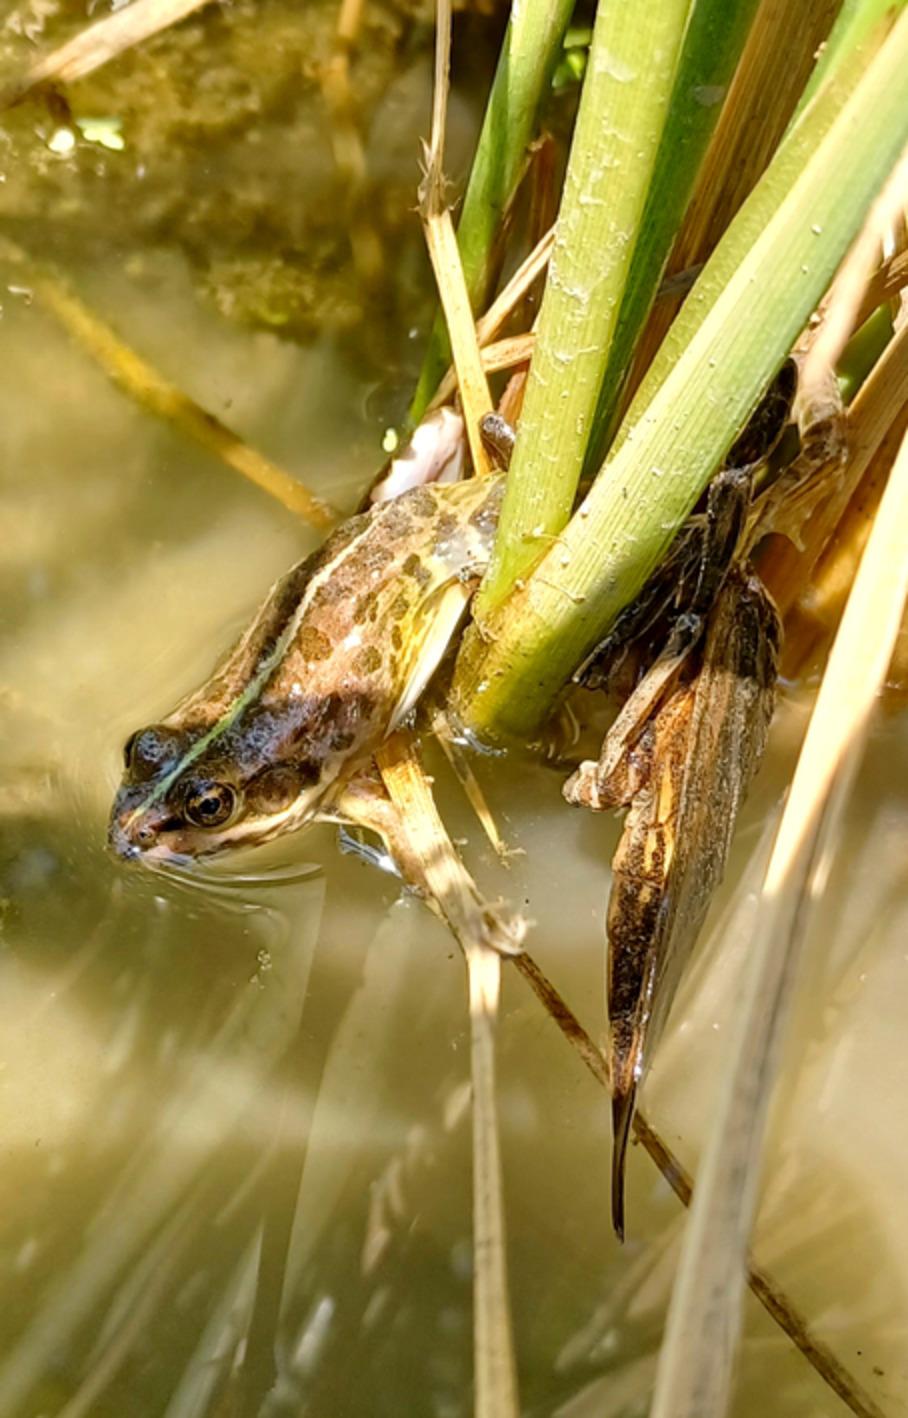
{"x": 336, "y": 657}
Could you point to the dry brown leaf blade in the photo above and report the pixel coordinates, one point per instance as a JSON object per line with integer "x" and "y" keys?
{"x": 695, "y": 1368}
{"x": 684, "y": 782}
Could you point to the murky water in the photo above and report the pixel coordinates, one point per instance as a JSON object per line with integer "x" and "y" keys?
{"x": 234, "y": 1124}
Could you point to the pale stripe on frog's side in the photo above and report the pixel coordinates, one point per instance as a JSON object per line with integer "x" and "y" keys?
{"x": 337, "y": 656}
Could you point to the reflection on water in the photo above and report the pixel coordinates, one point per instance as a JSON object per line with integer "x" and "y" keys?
{"x": 234, "y": 1121}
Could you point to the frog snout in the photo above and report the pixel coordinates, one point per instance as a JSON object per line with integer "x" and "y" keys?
{"x": 133, "y": 832}
{"x": 120, "y": 844}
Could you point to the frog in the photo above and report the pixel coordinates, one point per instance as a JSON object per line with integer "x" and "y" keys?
{"x": 337, "y": 657}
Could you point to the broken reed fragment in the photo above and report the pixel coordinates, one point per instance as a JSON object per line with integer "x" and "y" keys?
{"x": 687, "y": 742}
{"x": 684, "y": 780}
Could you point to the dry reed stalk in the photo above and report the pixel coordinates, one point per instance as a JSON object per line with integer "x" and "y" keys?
{"x": 508, "y": 353}
{"x": 888, "y": 281}
{"x": 488, "y": 325}
{"x": 444, "y": 254}
{"x": 846, "y": 295}
{"x": 432, "y": 865}
{"x": 812, "y": 620}
{"x": 877, "y": 421}
{"x": 877, "y": 405}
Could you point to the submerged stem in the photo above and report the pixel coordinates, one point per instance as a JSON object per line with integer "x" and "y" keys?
{"x": 495, "y": 1379}
{"x": 427, "y": 857}
{"x": 152, "y": 392}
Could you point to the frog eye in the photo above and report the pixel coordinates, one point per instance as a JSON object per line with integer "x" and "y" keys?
{"x": 148, "y": 750}
{"x": 209, "y": 804}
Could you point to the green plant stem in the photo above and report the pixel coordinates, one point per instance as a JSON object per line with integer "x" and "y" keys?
{"x": 779, "y": 255}
{"x": 633, "y": 62}
{"x": 712, "y": 47}
{"x": 531, "y": 48}
{"x": 855, "y": 39}
{"x": 753, "y": 217}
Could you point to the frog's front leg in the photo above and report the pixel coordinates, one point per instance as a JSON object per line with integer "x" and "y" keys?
{"x": 427, "y": 861}
{"x": 364, "y": 803}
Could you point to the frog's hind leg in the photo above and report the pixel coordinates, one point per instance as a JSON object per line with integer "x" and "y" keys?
{"x": 425, "y": 857}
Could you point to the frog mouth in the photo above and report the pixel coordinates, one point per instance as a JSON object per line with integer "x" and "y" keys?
{"x": 216, "y": 874}
{"x": 175, "y": 845}
{"x": 157, "y": 855}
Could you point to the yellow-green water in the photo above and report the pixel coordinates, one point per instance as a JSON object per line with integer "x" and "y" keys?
{"x": 234, "y": 1125}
